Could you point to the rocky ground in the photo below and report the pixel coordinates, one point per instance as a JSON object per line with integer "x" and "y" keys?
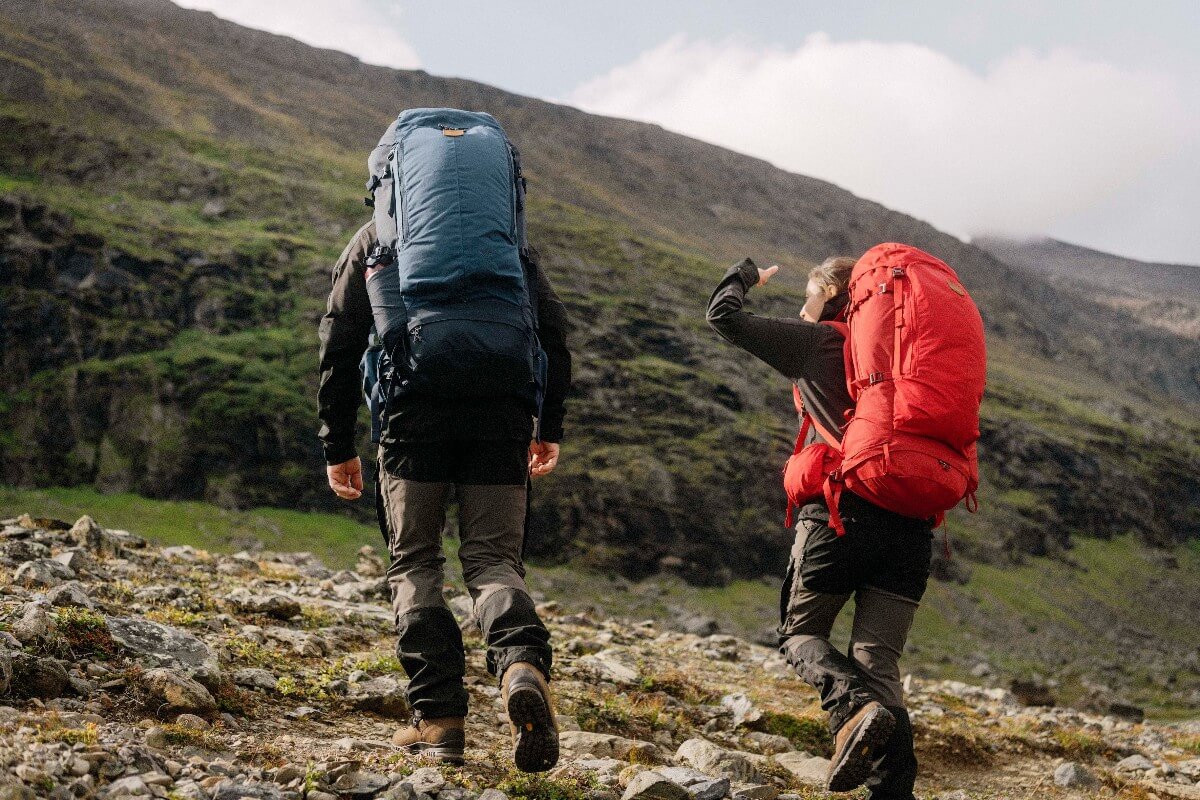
{"x": 132, "y": 671}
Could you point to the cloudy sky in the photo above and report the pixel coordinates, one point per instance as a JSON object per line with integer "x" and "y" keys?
{"x": 1079, "y": 120}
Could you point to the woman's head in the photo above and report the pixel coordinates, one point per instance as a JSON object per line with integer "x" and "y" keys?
{"x": 826, "y": 292}
{"x": 831, "y": 277}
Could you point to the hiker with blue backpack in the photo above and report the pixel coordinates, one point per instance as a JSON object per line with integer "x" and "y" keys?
{"x": 467, "y": 382}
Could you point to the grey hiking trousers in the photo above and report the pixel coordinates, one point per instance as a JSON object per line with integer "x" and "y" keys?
{"x": 883, "y": 563}
{"x": 489, "y": 481}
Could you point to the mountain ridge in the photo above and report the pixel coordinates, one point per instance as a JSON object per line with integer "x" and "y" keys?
{"x": 180, "y": 238}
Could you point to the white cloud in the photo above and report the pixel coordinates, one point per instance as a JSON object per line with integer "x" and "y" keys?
{"x": 369, "y": 30}
{"x": 1033, "y": 141}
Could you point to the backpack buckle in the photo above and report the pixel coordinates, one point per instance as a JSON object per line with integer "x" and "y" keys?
{"x": 897, "y": 272}
{"x": 876, "y": 377}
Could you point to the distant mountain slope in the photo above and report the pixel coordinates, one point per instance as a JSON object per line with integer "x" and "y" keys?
{"x": 1165, "y": 296}
{"x": 178, "y": 186}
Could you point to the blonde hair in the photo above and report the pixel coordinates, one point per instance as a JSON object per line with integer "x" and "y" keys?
{"x": 834, "y": 271}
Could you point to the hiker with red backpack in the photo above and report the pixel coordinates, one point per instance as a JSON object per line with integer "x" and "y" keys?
{"x": 887, "y": 362}
{"x": 466, "y": 386}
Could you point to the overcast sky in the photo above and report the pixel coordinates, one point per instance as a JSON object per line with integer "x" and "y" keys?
{"x": 1068, "y": 119}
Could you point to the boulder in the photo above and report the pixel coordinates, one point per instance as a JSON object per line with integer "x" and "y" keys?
{"x": 42, "y": 573}
{"x": 713, "y": 760}
{"x": 178, "y": 691}
{"x": 606, "y": 745}
{"x": 651, "y": 785}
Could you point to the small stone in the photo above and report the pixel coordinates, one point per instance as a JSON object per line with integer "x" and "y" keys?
{"x": 744, "y": 712}
{"x": 770, "y": 743}
{"x": 1073, "y": 776}
{"x": 255, "y": 678}
{"x": 606, "y": 745}
{"x": 289, "y": 772}
{"x": 271, "y": 604}
{"x": 1135, "y": 763}
{"x": 713, "y": 760}
{"x": 157, "y": 737}
{"x": 426, "y": 780}
{"x": 38, "y": 677}
{"x": 70, "y": 595}
{"x": 492, "y": 794}
{"x": 383, "y": 695}
{"x": 762, "y": 791}
{"x": 88, "y": 534}
{"x": 360, "y": 784}
{"x": 651, "y": 785}
{"x": 192, "y": 722}
{"x": 41, "y": 573}
{"x": 34, "y": 623}
{"x": 612, "y": 665}
{"x": 178, "y": 691}
{"x": 809, "y": 769}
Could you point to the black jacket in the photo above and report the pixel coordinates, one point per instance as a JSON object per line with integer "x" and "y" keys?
{"x": 808, "y": 353}
{"x": 344, "y": 331}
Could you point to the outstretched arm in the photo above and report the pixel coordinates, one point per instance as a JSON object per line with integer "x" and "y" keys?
{"x": 785, "y": 344}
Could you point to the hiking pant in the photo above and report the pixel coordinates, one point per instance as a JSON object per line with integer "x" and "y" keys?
{"x": 490, "y": 482}
{"x": 883, "y": 562}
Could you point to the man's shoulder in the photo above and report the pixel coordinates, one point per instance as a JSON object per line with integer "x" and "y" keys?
{"x": 357, "y": 248}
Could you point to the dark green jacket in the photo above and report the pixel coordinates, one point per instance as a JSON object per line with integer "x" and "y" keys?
{"x": 344, "y": 331}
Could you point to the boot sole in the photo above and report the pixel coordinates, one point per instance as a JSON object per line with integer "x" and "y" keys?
{"x": 536, "y": 745}
{"x": 866, "y": 741}
{"x": 439, "y": 753}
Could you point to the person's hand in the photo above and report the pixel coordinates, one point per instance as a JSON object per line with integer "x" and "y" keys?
{"x": 764, "y": 275}
{"x": 346, "y": 479}
{"x": 543, "y": 458}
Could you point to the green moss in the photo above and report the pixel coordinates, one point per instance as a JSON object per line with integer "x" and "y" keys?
{"x": 806, "y": 733}
{"x": 566, "y": 786}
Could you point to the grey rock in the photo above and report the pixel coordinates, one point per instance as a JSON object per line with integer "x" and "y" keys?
{"x": 132, "y": 786}
{"x": 404, "y": 791}
{"x": 271, "y": 604}
{"x": 77, "y": 560}
{"x": 744, "y": 712}
{"x": 44, "y": 678}
{"x": 70, "y": 595}
{"x": 33, "y": 624}
{"x": 612, "y": 665}
{"x": 88, "y": 534}
{"x": 770, "y": 743}
{"x": 492, "y": 794}
{"x": 178, "y": 691}
{"x": 761, "y": 791}
{"x": 289, "y": 772}
{"x": 606, "y": 745}
{"x": 18, "y": 551}
{"x": 5, "y": 672}
{"x": 426, "y": 780}
{"x": 384, "y": 696}
{"x": 255, "y": 678}
{"x": 809, "y": 769}
{"x": 1135, "y": 763}
{"x": 1074, "y": 776}
{"x": 360, "y": 784}
{"x": 42, "y": 573}
{"x": 16, "y": 791}
{"x": 651, "y": 785}
{"x": 697, "y": 625}
{"x": 162, "y": 645}
{"x": 713, "y": 760}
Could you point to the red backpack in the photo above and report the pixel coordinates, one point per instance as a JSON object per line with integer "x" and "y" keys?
{"x": 916, "y": 364}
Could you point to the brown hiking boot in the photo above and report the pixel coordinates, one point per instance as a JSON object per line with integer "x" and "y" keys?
{"x": 443, "y": 739}
{"x": 856, "y": 745}
{"x": 534, "y": 729}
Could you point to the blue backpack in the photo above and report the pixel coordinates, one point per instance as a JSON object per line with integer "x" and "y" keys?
{"x": 449, "y": 291}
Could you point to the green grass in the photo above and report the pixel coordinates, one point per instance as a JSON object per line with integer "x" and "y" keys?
{"x": 335, "y": 538}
